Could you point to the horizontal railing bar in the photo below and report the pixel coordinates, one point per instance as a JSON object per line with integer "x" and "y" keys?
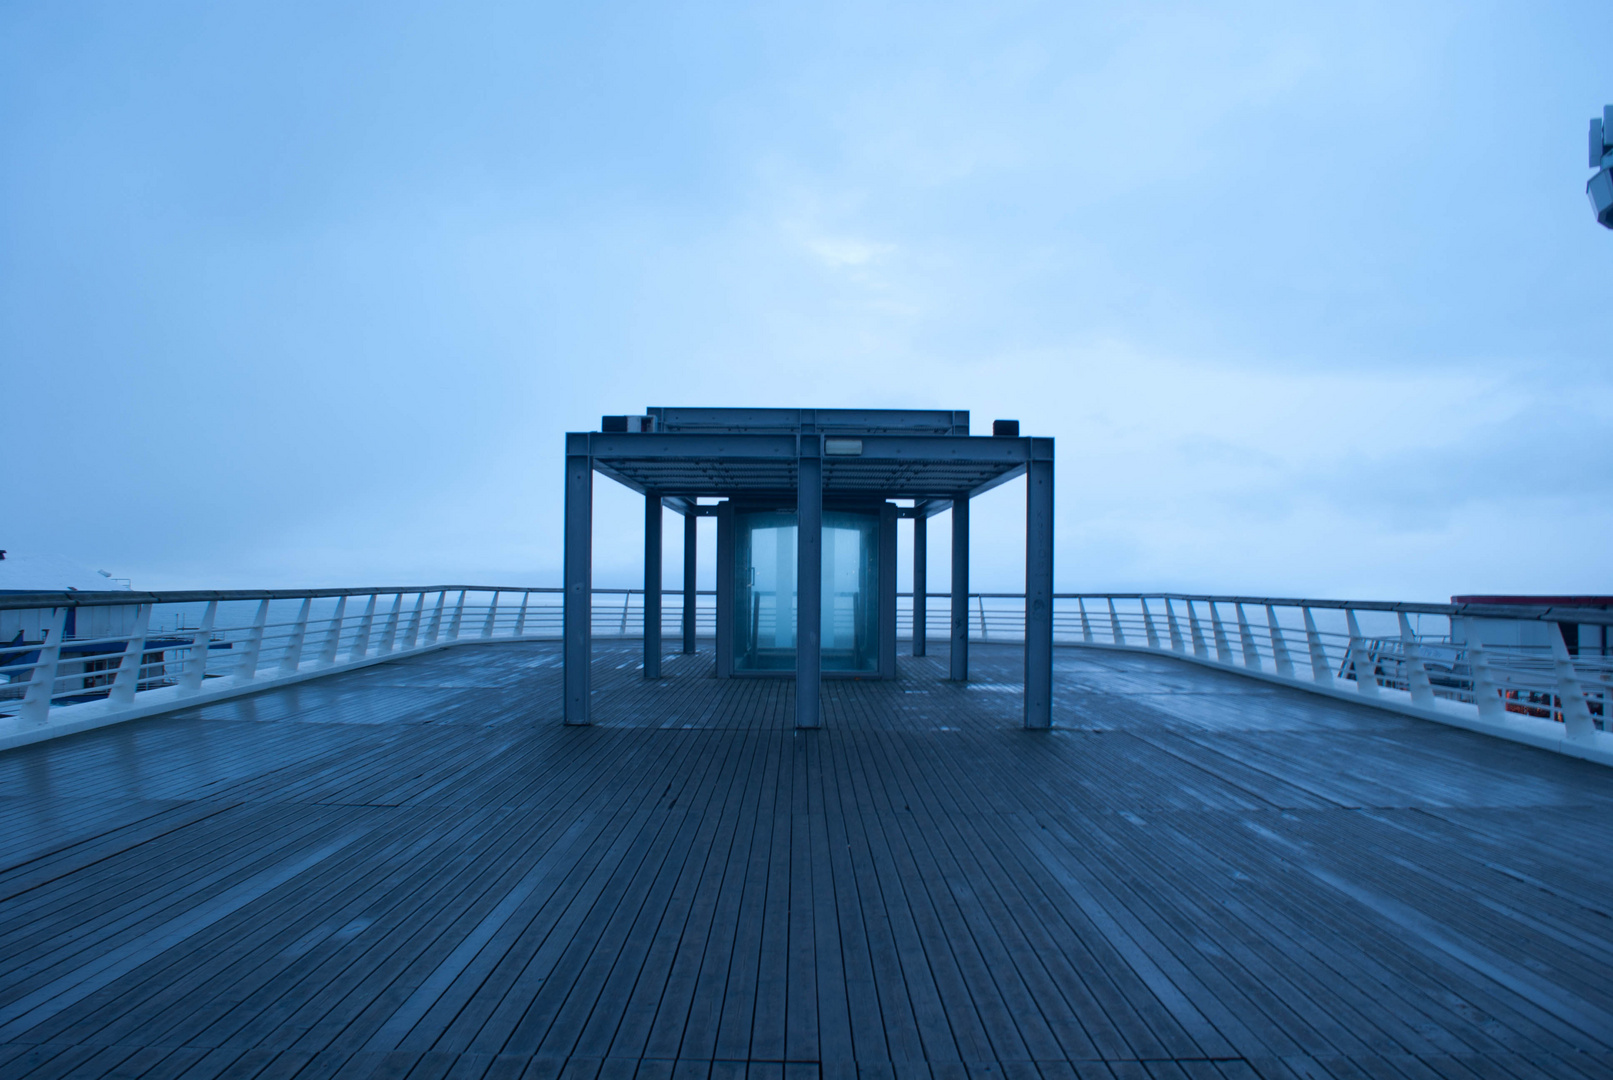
{"x": 1522, "y": 612}
{"x": 201, "y": 596}
{"x": 1544, "y": 613}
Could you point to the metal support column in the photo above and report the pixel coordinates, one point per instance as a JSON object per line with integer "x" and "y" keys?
{"x": 652, "y": 585}
{"x": 960, "y": 588}
{"x": 921, "y": 579}
{"x": 1039, "y": 586}
{"x": 691, "y": 598}
{"x": 577, "y": 615}
{"x": 725, "y": 589}
{"x": 887, "y": 591}
{"x": 808, "y": 583}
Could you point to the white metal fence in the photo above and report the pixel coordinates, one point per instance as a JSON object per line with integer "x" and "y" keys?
{"x": 90, "y": 659}
{"x": 1542, "y": 676}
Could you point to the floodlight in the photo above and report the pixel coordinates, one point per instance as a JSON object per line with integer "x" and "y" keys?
{"x": 1599, "y": 189}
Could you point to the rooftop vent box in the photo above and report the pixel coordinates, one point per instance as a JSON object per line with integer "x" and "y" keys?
{"x": 1008, "y": 429}
{"x": 613, "y": 424}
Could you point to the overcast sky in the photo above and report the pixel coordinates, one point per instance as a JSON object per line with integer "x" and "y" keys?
{"x": 1309, "y": 294}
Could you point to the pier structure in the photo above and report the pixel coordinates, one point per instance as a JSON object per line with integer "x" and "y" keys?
{"x": 806, "y": 497}
{"x": 348, "y": 833}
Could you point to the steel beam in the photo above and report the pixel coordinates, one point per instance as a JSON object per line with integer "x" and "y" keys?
{"x": 909, "y": 449}
{"x": 959, "y": 668}
{"x": 809, "y": 584}
{"x": 577, "y": 615}
{"x": 652, "y": 586}
{"x": 609, "y": 447}
{"x": 1039, "y": 588}
{"x": 691, "y": 599}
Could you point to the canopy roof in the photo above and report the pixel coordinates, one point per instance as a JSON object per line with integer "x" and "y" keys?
{"x": 753, "y": 453}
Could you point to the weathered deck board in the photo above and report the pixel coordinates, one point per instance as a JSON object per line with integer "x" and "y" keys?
{"x": 415, "y": 871}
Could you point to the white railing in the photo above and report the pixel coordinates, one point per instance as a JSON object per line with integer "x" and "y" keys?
{"x": 71, "y": 661}
{"x": 1504, "y": 670}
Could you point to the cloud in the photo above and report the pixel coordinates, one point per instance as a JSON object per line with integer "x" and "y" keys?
{"x": 844, "y": 251}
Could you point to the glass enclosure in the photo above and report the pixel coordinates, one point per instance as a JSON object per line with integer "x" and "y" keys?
{"x": 765, "y": 590}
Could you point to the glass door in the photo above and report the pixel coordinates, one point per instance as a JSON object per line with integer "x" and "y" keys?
{"x": 850, "y": 591}
{"x": 765, "y": 591}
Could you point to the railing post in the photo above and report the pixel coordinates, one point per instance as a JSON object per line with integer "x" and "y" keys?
{"x": 1279, "y": 646}
{"x": 1366, "y": 677}
{"x": 1321, "y": 669}
{"x": 627, "y": 599}
{"x": 1577, "y": 722}
{"x": 333, "y": 636}
{"x": 1086, "y": 624}
{"x": 1246, "y": 637}
{"x": 1422, "y": 691}
{"x": 1223, "y": 648}
{"x": 980, "y": 606}
{"x": 412, "y": 638}
{"x": 520, "y": 620}
{"x": 389, "y": 638}
{"x": 42, "y": 681}
{"x": 1197, "y": 631}
{"x": 361, "y": 640}
{"x": 246, "y": 669}
{"x": 492, "y": 616}
{"x": 1486, "y": 692}
{"x": 459, "y": 613}
{"x": 1175, "y": 628}
{"x": 436, "y": 618}
{"x": 293, "y": 657}
{"x": 200, "y": 646}
{"x": 1148, "y": 625}
{"x": 134, "y": 652}
{"x": 1115, "y": 632}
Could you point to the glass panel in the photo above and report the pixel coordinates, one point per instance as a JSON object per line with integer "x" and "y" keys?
{"x": 765, "y": 591}
{"x": 850, "y": 591}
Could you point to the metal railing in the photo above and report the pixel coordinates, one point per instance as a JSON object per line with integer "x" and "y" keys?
{"x": 81, "y": 659}
{"x": 1509, "y": 671}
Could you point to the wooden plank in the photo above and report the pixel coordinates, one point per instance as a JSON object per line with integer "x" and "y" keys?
{"x": 684, "y": 919}
{"x": 891, "y": 894}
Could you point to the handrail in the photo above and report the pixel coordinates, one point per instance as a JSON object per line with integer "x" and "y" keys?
{"x": 75, "y": 598}
{"x": 69, "y": 655}
{"x": 1544, "y": 613}
{"x": 111, "y": 598}
{"x": 1520, "y": 673}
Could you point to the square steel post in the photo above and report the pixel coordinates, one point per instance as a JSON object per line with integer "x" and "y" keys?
{"x": 691, "y": 597}
{"x": 809, "y": 583}
{"x": 1039, "y": 586}
{"x": 959, "y": 671}
{"x": 887, "y": 591}
{"x": 652, "y": 585}
{"x": 726, "y": 573}
{"x": 921, "y": 580}
{"x": 577, "y": 600}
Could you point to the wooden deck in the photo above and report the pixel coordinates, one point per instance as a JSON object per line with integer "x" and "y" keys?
{"x": 415, "y": 871}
